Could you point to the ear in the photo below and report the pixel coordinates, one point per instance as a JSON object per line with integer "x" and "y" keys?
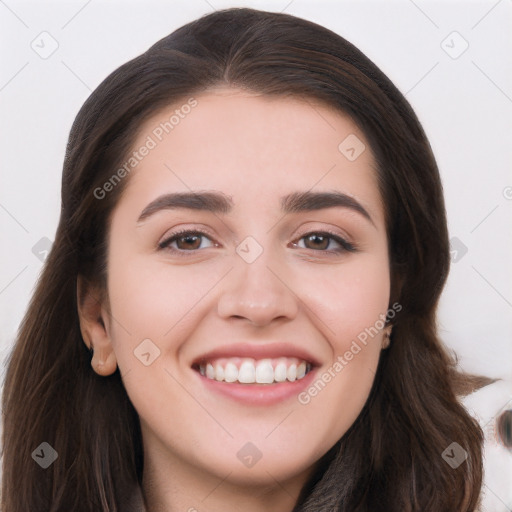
{"x": 95, "y": 327}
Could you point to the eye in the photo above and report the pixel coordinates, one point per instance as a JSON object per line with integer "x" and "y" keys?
{"x": 325, "y": 242}
{"x": 186, "y": 240}
{"x": 192, "y": 240}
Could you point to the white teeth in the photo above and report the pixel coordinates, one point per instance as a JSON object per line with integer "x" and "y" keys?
{"x": 280, "y": 372}
{"x": 264, "y": 372}
{"x": 219, "y": 372}
{"x": 231, "y": 373}
{"x": 249, "y": 371}
{"x": 301, "y": 370}
{"x": 291, "y": 373}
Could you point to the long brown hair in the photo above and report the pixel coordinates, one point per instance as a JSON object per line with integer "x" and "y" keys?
{"x": 391, "y": 458}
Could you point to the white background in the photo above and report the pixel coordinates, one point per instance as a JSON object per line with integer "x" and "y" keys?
{"x": 464, "y": 102}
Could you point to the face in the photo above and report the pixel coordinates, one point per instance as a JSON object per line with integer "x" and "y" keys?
{"x": 227, "y": 266}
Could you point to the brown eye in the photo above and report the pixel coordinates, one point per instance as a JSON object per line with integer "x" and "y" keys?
{"x": 186, "y": 241}
{"x": 315, "y": 241}
{"x": 189, "y": 242}
{"x": 325, "y": 242}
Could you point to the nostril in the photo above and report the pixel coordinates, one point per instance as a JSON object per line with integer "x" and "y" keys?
{"x": 504, "y": 427}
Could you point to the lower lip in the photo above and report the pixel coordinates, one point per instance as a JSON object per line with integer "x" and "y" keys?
{"x": 259, "y": 394}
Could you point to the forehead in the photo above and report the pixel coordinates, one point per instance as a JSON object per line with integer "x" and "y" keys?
{"x": 253, "y": 148}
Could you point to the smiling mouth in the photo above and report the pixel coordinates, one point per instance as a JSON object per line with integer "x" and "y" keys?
{"x": 253, "y": 371}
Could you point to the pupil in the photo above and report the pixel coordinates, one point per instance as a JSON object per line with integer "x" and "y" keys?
{"x": 320, "y": 241}
{"x": 189, "y": 240}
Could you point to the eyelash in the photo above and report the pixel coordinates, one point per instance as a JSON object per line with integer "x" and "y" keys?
{"x": 345, "y": 245}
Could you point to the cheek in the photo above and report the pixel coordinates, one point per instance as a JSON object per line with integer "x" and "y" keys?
{"x": 352, "y": 324}
{"x": 348, "y": 298}
{"x": 349, "y": 307}
{"x": 350, "y": 311}
{"x": 153, "y": 300}
{"x": 161, "y": 303}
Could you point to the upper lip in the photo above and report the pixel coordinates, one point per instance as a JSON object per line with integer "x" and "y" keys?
{"x": 257, "y": 351}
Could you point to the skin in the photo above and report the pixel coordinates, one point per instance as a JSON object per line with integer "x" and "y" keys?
{"x": 254, "y": 149}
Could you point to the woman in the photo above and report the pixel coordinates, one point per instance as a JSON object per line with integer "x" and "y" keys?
{"x": 238, "y": 312}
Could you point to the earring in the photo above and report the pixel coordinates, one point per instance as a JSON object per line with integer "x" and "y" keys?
{"x": 387, "y": 338}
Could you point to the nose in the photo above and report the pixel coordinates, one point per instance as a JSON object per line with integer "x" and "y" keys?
{"x": 257, "y": 292}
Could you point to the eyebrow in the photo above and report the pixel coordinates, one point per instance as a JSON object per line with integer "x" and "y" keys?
{"x": 217, "y": 202}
